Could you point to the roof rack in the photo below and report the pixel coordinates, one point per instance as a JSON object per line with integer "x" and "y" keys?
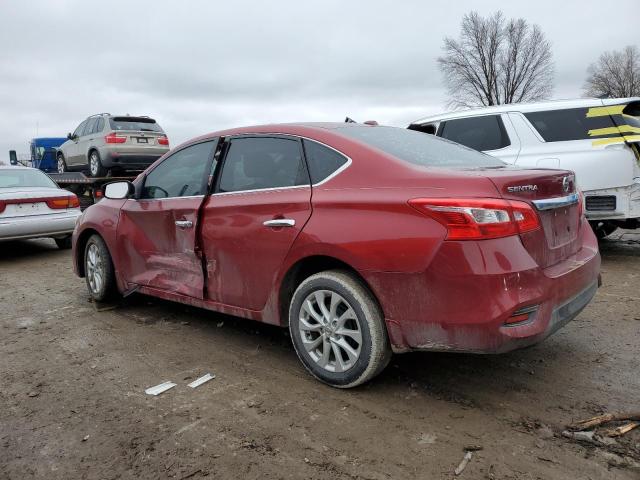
{"x": 98, "y": 114}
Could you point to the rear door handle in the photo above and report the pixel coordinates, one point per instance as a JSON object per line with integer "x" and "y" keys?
{"x": 280, "y": 222}
{"x": 184, "y": 223}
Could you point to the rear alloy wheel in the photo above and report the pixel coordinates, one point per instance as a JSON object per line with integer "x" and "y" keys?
{"x": 98, "y": 270}
{"x": 95, "y": 165}
{"x": 338, "y": 330}
{"x": 63, "y": 243}
{"x": 62, "y": 165}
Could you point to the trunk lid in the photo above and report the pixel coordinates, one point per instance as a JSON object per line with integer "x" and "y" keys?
{"x": 29, "y": 201}
{"x": 553, "y": 195}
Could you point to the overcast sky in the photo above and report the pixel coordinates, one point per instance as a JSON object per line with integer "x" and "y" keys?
{"x": 202, "y": 66}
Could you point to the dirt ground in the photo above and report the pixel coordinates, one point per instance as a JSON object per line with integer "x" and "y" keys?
{"x": 72, "y": 401}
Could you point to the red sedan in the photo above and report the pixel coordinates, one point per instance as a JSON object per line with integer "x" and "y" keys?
{"x": 363, "y": 240}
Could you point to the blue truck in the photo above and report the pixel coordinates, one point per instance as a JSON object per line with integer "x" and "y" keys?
{"x": 43, "y": 153}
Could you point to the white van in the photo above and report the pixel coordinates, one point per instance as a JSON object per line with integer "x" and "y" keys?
{"x": 598, "y": 139}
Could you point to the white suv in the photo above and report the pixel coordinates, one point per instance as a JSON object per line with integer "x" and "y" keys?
{"x": 598, "y": 139}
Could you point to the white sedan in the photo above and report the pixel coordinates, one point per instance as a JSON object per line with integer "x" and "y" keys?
{"x": 33, "y": 206}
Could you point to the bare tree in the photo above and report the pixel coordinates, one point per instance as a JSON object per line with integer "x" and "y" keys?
{"x": 496, "y": 61}
{"x": 615, "y": 74}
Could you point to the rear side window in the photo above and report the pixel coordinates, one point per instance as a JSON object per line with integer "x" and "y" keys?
{"x": 480, "y": 133}
{"x": 99, "y": 125}
{"x": 182, "y": 174}
{"x": 569, "y": 124}
{"x": 418, "y": 148}
{"x": 322, "y": 160}
{"x": 259, "y": 163}
{"x": 135, "y": 123}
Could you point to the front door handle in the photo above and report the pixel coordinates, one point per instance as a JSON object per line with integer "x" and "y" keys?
{"x": 184, "y": 223}
{"x": 280, "y": 222}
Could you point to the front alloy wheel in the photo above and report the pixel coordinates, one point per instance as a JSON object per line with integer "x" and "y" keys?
{"x": 338, "y": 330}
{"x": 98, "y": 270}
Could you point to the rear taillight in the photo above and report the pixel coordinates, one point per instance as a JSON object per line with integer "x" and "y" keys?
{"x": 479, "y": 218}
{"x": 3, "y": 205}
{"x": 163, "y": 140}
{"x": 63, "y": 202}
{"x": 580, "y": 207}
{"x": 115, "y": 138}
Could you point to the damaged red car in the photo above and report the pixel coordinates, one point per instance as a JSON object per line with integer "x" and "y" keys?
{"x": 362, "y": 240}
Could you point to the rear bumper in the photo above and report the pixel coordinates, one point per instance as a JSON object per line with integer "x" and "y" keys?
{"x": 466, "y": 299}
{"x": 39, "y": 226}
{"x": 128, "y": 160}
{"x": 622, "y": 203}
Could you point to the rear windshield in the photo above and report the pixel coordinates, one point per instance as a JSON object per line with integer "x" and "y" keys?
{"x": 19, "y": 177}
{"x": 418, "y": 148}
{"x": 133, "y": 123}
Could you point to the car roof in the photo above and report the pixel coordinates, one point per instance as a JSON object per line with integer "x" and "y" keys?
{"x": 295, "y": 128}
{"x": 526, "y": 107}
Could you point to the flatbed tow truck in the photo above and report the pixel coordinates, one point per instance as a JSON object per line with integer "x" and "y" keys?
{"x": 88, "y": 189}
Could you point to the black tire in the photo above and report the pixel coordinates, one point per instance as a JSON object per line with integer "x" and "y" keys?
{"x": 107, "y": 288}
{"x": 95, "y": 165}
{"x": 374, "y": 351}
{"x": 603, "y": 229}
{"x": 61, "y": 164}
{"x": 63, "y": 243}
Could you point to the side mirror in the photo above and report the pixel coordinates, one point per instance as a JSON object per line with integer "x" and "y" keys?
{"x": 69, "y": 136}
{"x": 118, "y": 190}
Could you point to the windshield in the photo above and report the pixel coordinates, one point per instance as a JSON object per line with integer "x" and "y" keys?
{"x": 133, "y": 123}
{"x": 20, "y": 177}
{"x": 419, "y": 148}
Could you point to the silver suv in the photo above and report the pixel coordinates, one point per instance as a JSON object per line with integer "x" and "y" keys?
{"x": 106, "y": 142}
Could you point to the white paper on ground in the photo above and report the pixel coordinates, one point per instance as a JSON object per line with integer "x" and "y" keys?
{"x": 199, "y": 381}
{"x": 158, "y": 389}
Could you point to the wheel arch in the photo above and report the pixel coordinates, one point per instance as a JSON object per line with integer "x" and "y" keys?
{"x": 304, "y": 268}
{"x": 81, "y": 244}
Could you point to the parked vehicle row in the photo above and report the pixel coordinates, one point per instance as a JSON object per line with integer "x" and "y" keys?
{"x": 361, "y": 239}
{"x": 597, "y": 139}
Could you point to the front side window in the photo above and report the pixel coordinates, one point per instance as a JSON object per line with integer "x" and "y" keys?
{"x": 78, "y": 131}
{"x": 480, "y": 133}
{"x": 91, "y": 124}
{"x": 571, "y": 124}
{"x": 322, "y": 160}
{"x": 183, "y": 174}
{"x": 257, "y": 163}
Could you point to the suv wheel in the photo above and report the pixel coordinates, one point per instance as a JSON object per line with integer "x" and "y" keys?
{"x": 338, "y": 330}
{"x": 62, "y": 165}
{"x": 95, "y": 165}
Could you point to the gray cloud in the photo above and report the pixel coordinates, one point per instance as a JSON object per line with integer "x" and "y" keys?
{"x": 202, "y": 66}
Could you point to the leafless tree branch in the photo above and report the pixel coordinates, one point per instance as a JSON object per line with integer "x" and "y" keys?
{"x": 615, "y": 74}
{"x": 495, "y": 61}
